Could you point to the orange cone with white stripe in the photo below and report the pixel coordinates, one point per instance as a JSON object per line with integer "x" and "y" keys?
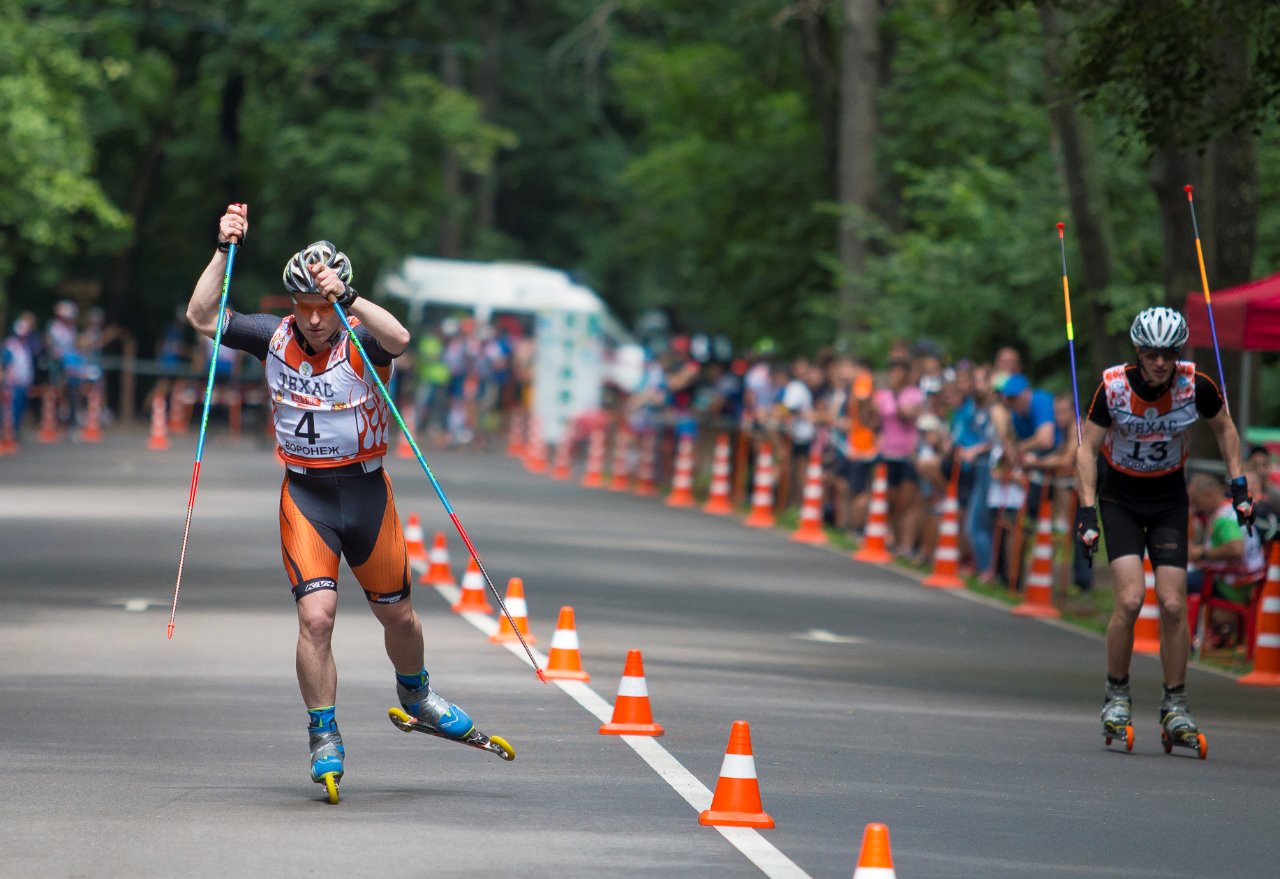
{"x": 621, "y": 478}
{"x": 632, "y": 715}
{"x": 682, "y": 478}
{"x": 718, "y": 501}
{"x": 49, "y": 432}
{"x": 535, "y": 447}
{"x": 1266, "y": 661}
{"x": 1146, "y": 630}
{"x": 593, "y": 475}
{"x": 514, "y": 600}
{"x": 761, "y": 515}
{"x": 91, "y": 432}
{"x": 875, "y": 545}
{"x": 473, "y": 598}
{"x": 8, "y": 436}
{"x": 158, "y": 439}
{"x": 562, "y": 466}
{"x": 736, "y": 802}
{"x": 1037, "y": 600}
{"x": 564, "y": 662}
{"x": 946, "y": 555}
{"x": 810, "y": 529}
{"x": 644, "y": 484}
{"x": 413, "y": 540}
{"x": 515, "y": 436}
{"x": 875, "y": 859}
{"x": 438, "y": 572}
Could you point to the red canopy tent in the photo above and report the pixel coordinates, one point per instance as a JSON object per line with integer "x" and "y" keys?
{"x": 1246, "y": 317}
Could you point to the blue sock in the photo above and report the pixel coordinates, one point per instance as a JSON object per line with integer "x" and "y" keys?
{"x": 416, "y": 681}
{"x": 322, "y": 719}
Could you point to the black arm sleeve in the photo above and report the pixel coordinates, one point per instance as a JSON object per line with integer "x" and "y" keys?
{"x": 1099, "y": 414}
{"x": 1208, "y": 399}
{"x": 250, "y": 333}
{"x": 373, "y": 347}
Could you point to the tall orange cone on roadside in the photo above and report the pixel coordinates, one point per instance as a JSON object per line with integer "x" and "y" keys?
{"x": 514, "y": 600}
{"x": 438, "y": 572}
{"x": 8, "y": 435}
{"x": 647, "y": 460}
{"x": 1146, "y": 630}
{"x": 875, "y": 859}
{"x": 736, "y": 802}
{"x": 473, "y": 598}
{"x": 761, "y": 515}
{"x": 621, "y": 477}
{"x": 49, "y": 432}
{"x": 403, "y": 449}
{"x": 1037, "y": 596}
{"x": 414, "y": 541}
{"x": 810, "y": 529}
{"x": 562, "y": 466}
{"x": 875, "y": 541}
{"x": 515, "y": 436}
{"x": 1266, "y": 660}
{"x": 632, "y": 715}
{"x": 682, "y": 477}
{"x": 593, "y": 475}
{"x": 719, "y": 500}
{"x": 158, "y": 439}
{"x": 91, "y": 432}
{"x": 946, "y": 555}
{"x": 535, "y": 447}
{"x": 564, "y": 662}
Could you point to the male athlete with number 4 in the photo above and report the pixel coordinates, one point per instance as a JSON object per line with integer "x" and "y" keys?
{"x": 333, "y": 426}
{"x": 1138, "y": 421}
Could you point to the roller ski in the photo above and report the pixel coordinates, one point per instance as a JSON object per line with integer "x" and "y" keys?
{"x": 1116, "y": 715}
{"x": 327, "y": 755}
{"x": 1178, "y": 728}
{"x": 426, "y": 711}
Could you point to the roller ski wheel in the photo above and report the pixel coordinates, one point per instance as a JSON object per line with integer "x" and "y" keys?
{"x": 330, "y": 782}
{"x": 1196, "y": 742}
{"x": 475, "y": 739}
{"x": 1126, "y": 734}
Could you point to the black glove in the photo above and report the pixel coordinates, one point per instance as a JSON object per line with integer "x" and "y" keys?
{"x": 1242, "y": 501}
{"x": 346, "y": 298}
{"x": 1087, "y": 530}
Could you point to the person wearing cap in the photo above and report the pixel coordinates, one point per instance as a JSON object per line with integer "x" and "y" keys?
{"x": 1130, "y": 465}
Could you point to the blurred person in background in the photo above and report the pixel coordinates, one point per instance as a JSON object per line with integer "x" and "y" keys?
{"x": 19, "y": 367}
{"x": 64, "y": 359}
{"x": 1223, "y": 557}
{"x": 971, "y": 438}
{"x": 897, "y": 406}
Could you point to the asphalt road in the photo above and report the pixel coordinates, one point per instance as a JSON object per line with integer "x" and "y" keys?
{"x": 971, "y": 733}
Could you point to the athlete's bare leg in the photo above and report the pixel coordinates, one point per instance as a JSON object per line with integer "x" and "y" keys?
{"x": 402, "y": 634}
{"x": 317, "y": 673}
{"x": 1175, "y": 639}
{"x": 1129, "y": 585}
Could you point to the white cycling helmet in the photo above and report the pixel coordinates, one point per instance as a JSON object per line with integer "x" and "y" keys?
{"x": 1159, "y": 327}
{"x": 296, "y": 277}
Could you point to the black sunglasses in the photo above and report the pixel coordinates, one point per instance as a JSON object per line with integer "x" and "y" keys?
{"x": 1157, "y": 353}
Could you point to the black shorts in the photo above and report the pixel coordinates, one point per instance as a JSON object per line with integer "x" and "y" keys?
{"x": 1158, "y": 526}
{"x": 898, "y": 471}
{"x": 857, "y": 472}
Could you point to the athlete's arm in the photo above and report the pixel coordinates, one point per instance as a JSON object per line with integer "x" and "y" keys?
{"x": 380, "y": 323}
{"x": 202, "y": 310}
{"x": 1087, "y": 462}
{"x": 1224, "y": 431}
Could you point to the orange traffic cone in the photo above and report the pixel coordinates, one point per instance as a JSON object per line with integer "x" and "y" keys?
{"x": 562, "y": 466}
{"x": 810, "y": 529}
{"x": 644, "y": 485}
{"x": 1146, "y": 630}
{"x": 564, "y": 662}
{"x": 761, "y": 515}
{"x": 403, "y": 449}
{"x": 875, "y": 547}
{"x": 8, "y": 436}
{"x": 515, "y": 436}
{"x": 682, "y": 478}
{"x": 1038, "y": 596}
{"x": 1266, "y": 662}
{"x": 438, "y": 572}
{"x": 718, "y": 500}
{"x": 473, "y": 598}
{"x": 49, "y": 416}
{"x": 631, "y": 713}
{"x": 91, "y": 432}
{"x": 875, "y": 859}
{"x": 946, "y": 556}
{"x": 736, "y": 802}
{"x": 535, "y": 448}
{"x": 621, "y": 478}
{"x": 158, "y": 439}
{"x": 514, "y": 600}
{"x": 593, "y": 475}
{"x": 413, "y": 540}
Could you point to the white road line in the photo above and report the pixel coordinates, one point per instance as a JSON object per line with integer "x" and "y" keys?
{"x": 756, "y": 848}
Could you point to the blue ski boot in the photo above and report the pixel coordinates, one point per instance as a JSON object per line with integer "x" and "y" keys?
{"x": 434, "y": 711}
{"x": 327, "y": 752}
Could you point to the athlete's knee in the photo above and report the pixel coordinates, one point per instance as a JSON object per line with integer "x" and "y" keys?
{"x": 1173, "y": 606}
{"x": 1129, "y": 604}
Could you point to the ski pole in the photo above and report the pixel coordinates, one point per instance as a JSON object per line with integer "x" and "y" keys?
{"x": 204, "y": 423}
{"x": 1071, "y": 333}
{"x": 1208, "y": 305}
{"x": 435, "y": 484}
